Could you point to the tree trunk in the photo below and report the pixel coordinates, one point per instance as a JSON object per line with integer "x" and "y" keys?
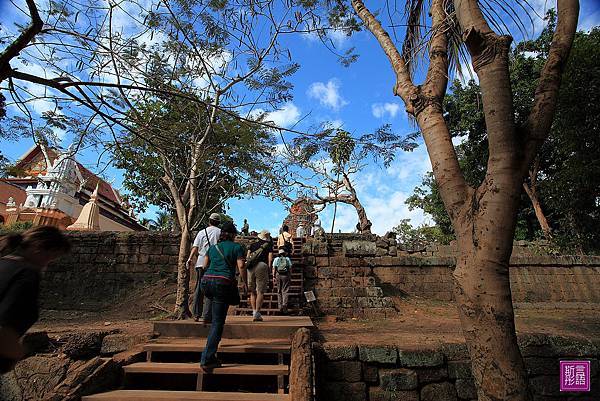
{"x": 182, "y": 309}
{"x": 483, "y": 297}
{"x": 363, "y": 221}
{"x": 537, "y": 208}
{"x": 484, "y": 218}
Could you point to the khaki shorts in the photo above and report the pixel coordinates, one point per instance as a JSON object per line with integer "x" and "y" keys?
{"x": 258, "y": 278}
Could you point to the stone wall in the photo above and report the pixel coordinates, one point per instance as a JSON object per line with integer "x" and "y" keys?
{"x": 352, "y": 274}
{"x": 386, "y": 373}
{"x": 103, "y": 266}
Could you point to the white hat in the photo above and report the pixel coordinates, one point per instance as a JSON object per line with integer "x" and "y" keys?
{"x": 281, "y": 251}
{"x": 264, "y": 235}
{"x": 215, "y": 216}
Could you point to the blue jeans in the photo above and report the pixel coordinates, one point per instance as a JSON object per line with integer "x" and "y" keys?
{"x": 206, "y": 312}
{"x": 218, "y": 291}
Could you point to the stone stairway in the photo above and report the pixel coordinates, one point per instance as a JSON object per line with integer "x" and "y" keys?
{"x": 256, "y": 359}
{"x": 296, "y": 294}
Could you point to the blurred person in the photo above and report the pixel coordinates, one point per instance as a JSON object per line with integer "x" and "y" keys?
{"x": 284, "y": 240}
{"x": 26, "y": 256}
{"x": 219, "y": 284}
{"x": 245, "y": 227}
{"x": 258, "y": 260}
{"x": 282, "y": 271}
{"x": 204, "y": 239}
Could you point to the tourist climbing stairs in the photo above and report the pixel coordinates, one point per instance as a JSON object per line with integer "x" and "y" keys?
{"x": 255, "y": 363}
{"x": 296, "y": 294}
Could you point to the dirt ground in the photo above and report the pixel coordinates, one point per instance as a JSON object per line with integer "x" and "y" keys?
{"x": 430, "y": 323}
{"x": 419, "y": 322}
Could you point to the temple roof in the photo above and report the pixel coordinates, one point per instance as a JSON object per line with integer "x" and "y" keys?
{"x": 32, "y": 164}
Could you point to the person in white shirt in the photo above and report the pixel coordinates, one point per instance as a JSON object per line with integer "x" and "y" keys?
{"x": 316, "y": 227}
{"x": 300, "y": 231}
{"x": 205, "y": 238}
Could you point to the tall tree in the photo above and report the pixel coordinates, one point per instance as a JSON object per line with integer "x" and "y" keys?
{"x": 483, "y": 216}
{"x": 562, "y": 185}
{"x": 322, "y": 167}
{"x": 164, "y": 166}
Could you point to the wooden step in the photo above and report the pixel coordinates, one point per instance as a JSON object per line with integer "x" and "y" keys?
{"x": 187, "y": 345}
{"x": 194, "y": 368}
{"x": 236, "y": 327}
{"x": 267, "y": 310}
{"x": 162, "y": 395}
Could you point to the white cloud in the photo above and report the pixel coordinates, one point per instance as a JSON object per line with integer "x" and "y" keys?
{"x": 336, "y": 36}
{"x": 327, "y": 94}
{"x": 336, "y": 124}
{"x": 379, "y": 110}
{"x": 286, "y": 116}
{"x": 410, "y": 165}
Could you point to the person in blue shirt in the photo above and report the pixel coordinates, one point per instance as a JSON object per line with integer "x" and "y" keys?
{"x": 282, "y": 270}
{"x": 219, "y": 284}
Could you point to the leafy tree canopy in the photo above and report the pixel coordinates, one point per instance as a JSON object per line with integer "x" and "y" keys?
{"x": 569, "y": 171}
{"x": 233, "y": 156}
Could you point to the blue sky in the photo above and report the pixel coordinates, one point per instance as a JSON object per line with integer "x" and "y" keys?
{"x": 358, "y": 97}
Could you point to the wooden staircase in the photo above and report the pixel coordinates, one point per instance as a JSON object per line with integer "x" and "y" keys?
{"x": 296, "y": 294}
{"x": 255, "y": 356}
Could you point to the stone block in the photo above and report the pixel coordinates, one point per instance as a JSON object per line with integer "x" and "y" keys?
{"x": 460, "y": 369}
{"x": 344, "y": 371}
{"x": 381, "y": 252}
{"x": 345, "y": 391}
{"x": 320, "y": 249}
{"x": 340, "y": 352}
{"x": 370, "y": 373}
{"x": 381, "y": 354}
{"x": 382, "y": 242}
{"x": 398, "y": 379}
{"x": 115, "y": 343}
{"x": 431, "y": 375}
{"x": 310, "y": 272}
{"x": 374, "y": 291}
{"x": 39, "y": 375}
{"x": 438, "y": 392}
{"x": 346, "y": 292}
{"x": 322, "y": 261}
{"x": 465, "y": 388}
{"x": 358, "y": 248}
{"x": 83, "y": 345}
{"x": 349, "y": 302}
{"x": 420, "y": 358}
{"x": 378, "y": 394}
